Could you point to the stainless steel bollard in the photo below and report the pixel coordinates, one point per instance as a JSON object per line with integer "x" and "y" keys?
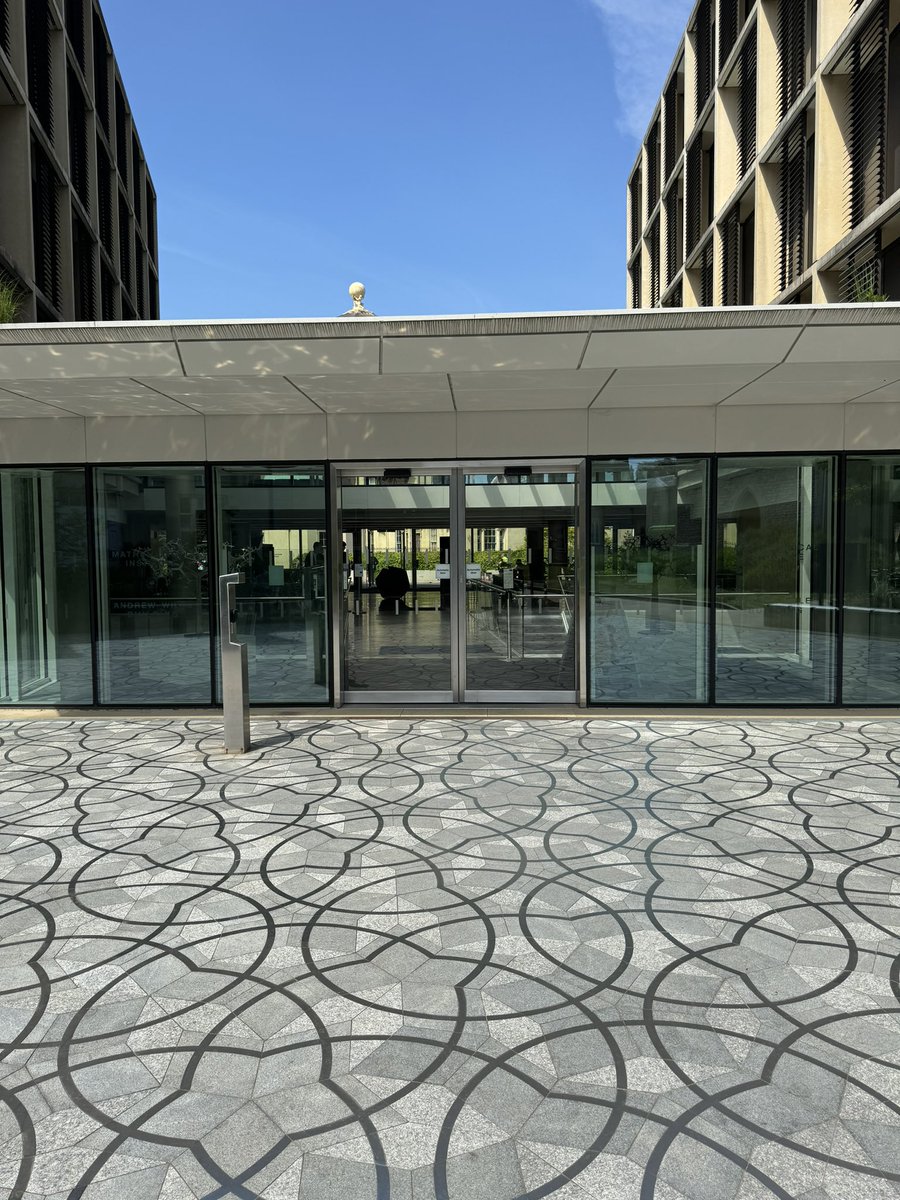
{"x": 235, "y": 690}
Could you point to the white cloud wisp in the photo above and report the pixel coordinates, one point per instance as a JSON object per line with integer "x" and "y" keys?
{"x": 643, "y": 36}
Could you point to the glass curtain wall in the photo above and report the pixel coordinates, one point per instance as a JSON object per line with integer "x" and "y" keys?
{"x": 46, "y": 626}
{"x": 872, "y": 581}
{"x": 649, "y": 608}
{"x": 152, "y": 562}
{"x": 271, "y": 526}
{"x": 775, "y": 612}
{"x": 521, "y": 582}
{"x": 398, "y": 601}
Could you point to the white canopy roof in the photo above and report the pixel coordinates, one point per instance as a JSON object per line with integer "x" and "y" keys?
{"x": 514, "y": 362}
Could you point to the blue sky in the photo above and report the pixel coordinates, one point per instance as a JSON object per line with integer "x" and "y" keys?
{"x": 461, "y": 157}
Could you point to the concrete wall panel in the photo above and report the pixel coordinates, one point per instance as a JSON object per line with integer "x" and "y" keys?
{"x": 53, "y": 440}
{"x": 145, "y": 439}
{"x": 263, "y": 438}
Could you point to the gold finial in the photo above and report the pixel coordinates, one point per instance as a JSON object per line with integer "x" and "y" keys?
{"x": 357, "y": 294}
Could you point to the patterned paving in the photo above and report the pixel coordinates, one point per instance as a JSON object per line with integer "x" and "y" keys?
{"x": 450, "y": 960}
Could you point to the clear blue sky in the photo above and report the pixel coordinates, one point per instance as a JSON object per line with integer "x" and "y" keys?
{"x": 459, "y": 157}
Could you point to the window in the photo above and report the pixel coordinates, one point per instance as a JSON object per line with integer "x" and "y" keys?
{"x": 747, "y": 106}
{"x": 45, "y": 632}
{"x": 775, "y": 580}
{"x": 795, "y": 202}
{"x": 153, "y": 585}
{"x": 45, "y": 211}
{"x": 269, "y": 527}
{"x": 101, "y": 73}
{"x": 649, "y": 612}
{"x": 83, "y": 270}
{"x": 637, "y": 214}
{"x": 674, "y": 208}
{"x": 39, "y": 45}
{"x": 868, "y": 117}
{"x": 78, "y": 144}
{"x": 872, "y": 581}
{"x": 705, "y": 41}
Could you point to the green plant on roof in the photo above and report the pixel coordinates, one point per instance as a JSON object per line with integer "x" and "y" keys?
{"x": 12, "y": 300}
{"x": 865, "y": 282}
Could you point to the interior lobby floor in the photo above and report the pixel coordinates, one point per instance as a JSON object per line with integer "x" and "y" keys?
{"x": 450, "y": 959}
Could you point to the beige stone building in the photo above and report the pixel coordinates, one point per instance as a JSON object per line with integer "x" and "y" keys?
{"x": 770, "y": 171}
{"x": 77, "y": 204}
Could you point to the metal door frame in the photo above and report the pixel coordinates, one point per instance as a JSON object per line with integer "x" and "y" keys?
{"x": 459, "y": 693}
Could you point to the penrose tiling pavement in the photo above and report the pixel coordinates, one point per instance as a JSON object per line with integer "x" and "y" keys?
{"x": 450, "y": 960}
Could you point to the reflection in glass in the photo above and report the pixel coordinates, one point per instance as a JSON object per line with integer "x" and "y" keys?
{"x": 872, "y": 581}
{"x": 153, "y": 585}
{"x": 649, "y": 615}
{"x": 46, "y": 628}
{"x": 397, "y": 601}
{"x": 520, "y": 583}
{"x": 775, "y": 579}
{"x": 272, "y": 527}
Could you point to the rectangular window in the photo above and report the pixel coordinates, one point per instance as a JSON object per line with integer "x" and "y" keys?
{"x": 270, "y": 526}
{"x": 45, "y": 633}
{"x": 153, "y": 586}
{"x": 775, "y": 580}
{"x": 101, "y": 73}
{"x": 872, "y": 581}
{"x": 39, "y": 49}
{"x": 45, "y": 213}
{"x": 648, "y": 610}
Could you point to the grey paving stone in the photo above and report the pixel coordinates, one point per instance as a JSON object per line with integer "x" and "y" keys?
{"x": 370, "y": 980}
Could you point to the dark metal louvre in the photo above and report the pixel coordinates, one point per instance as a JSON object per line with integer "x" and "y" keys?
{"x": 636, "y": 284}
{"x": 706, "y": 276}
{"x": 139, "y": 266}
{"x": 121, "y": 134}
{"x": 45, "y": 213}
{"x": 107, "y": 294}
{"x": 730, "y": 229}
{"x": 124, "y": 243}
{"x": 675, "y": 298}
{"x": 104, "y": 198}
{"x": 637, "y": 215}
{"x": 747, "y": 105}
{"x": 101, "y": 74}
{"x": 729, "y": 28}
{"x": 153, "y": 301}
{"x": 694, "y": 194}
{"x": 136, "y": 191}
{"x": 673, "y": 239}
{"x": 75, "y": 28}
{"x": 868, "y": 117}
{"x": 5, "y": 42}
{"x": 78, "y": 145}
{"x": 705, "y": 52}
{"x": 653, "y": 249}
{"x": 792, "y": 203}
{"x": 83, "y": 264}
{"x": 653, "y": 167}
{"x": 791, "y": 52}
{"x": 39, "y": 34}
{"x": 151, "y": 222}
{"x": 670, "y": 127}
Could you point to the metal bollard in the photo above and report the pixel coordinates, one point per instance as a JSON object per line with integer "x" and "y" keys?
{"x": 235, "y": 690}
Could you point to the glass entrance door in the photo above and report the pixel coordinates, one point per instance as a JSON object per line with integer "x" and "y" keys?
{"x": 521, "y": 627}
{"x": 398, "y": 636}
{"x": 458, "y": 584}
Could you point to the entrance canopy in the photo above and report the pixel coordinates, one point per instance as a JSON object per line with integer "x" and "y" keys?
{"x": 788, "y": 378}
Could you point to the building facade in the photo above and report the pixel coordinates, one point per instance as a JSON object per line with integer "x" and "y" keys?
{"x": 77, "y": 204}
{"x": 770, "y": 171}
{"x": 692, "y": 508}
